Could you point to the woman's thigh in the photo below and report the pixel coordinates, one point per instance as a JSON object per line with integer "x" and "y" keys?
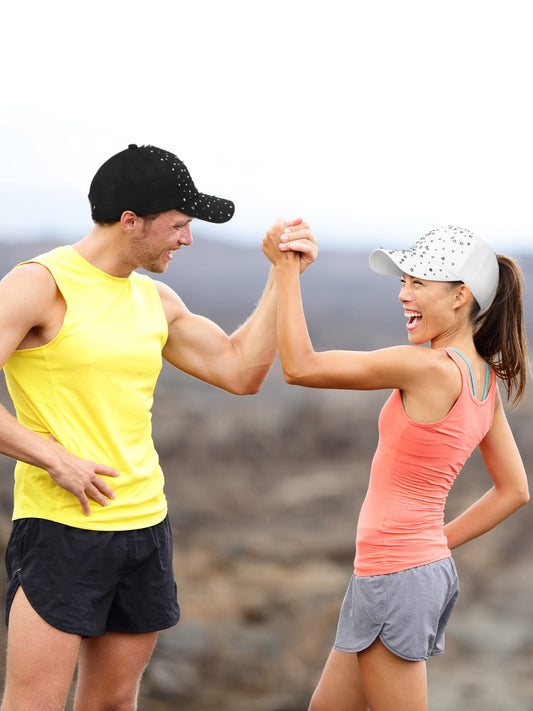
{"x": 340, "y": 686}
{"x": 390, "y": 682}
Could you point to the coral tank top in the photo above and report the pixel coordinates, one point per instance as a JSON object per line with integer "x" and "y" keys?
{"x": 402, "y": 518}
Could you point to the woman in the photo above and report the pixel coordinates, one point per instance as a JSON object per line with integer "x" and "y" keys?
{"x": 467, "y": 303}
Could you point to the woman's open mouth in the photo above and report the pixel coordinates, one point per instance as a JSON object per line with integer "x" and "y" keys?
{"x": 414, "y": 318}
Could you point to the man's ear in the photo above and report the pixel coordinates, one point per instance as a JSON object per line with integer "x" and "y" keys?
{"x": 128, "y": 220}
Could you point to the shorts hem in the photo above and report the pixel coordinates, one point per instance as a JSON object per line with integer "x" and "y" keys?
{"x": 62, "y": 627}
{"x": 359, "y": 648}
{"x": 47, "y": 618}
{"x": 362, "y": 647}
{"x": 422, "y": 658}
{"x": 158, "y": 627}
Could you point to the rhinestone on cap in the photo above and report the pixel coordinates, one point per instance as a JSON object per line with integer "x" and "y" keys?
{"x": 149, "y": 180}
{"x": 445, "y": 254}
{"x": 431, "y": 253}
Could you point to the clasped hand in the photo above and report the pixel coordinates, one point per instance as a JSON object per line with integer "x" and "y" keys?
{"x": 290, "y": 240}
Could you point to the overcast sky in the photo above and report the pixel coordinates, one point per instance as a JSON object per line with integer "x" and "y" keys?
{"x": 374, "y": 120}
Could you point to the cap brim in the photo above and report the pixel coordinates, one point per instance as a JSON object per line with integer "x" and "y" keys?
{"x": 383, "y": 261}
{"x": 209, "y": 208}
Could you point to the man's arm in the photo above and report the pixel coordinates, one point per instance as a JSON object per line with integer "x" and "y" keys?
{"x": 240, "y": 362}
{"x": 29, "y": 306}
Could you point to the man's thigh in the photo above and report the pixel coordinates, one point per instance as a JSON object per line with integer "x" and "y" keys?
{"x": 110, "y": 669}
{"x": 40, "y": 660}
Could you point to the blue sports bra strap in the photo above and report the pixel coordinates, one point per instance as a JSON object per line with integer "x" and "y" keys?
{"x": 486, "y": 382}
{"x": 472, "y": 375}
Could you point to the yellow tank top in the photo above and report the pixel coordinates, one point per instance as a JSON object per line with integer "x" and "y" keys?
{"x": 92, "y": 388}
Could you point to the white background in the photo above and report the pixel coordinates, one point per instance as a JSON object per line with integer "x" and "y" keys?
{"x": 375, "y": 120}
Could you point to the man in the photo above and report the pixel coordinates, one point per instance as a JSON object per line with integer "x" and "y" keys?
{"x": 82, "y": 336}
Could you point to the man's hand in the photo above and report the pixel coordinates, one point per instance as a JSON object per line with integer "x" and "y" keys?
{"x": 82, "y": 478}
{"x": 286, "y": 238}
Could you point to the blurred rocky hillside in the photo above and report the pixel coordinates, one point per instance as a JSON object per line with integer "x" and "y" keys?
{"x": 264, "y": 493}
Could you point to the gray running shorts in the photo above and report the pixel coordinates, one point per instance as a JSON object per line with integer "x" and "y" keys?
{"x": 408, "y": 610}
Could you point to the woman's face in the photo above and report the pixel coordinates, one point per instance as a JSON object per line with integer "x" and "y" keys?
{"x": 428, "y": 306}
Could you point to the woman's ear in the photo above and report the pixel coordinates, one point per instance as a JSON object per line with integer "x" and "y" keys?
{"x": 462, "y": 296}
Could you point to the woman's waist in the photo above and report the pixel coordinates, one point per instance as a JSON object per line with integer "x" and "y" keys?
{"x": 385, "y": 551}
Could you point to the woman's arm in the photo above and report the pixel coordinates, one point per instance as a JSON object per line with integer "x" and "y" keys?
{"x": 510, "y": 490}
{"x": 404, "y": 367}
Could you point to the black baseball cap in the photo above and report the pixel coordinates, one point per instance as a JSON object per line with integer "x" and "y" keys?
{"x": 148, "y": 180}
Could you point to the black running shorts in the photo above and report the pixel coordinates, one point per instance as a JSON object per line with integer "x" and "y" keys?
{"x": 91, "y": 582}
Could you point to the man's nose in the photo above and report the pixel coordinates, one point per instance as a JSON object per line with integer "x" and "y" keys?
{"x": 186, "y": 236}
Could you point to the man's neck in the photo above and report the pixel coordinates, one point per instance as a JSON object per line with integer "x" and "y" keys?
{"x": 105, "y": 248}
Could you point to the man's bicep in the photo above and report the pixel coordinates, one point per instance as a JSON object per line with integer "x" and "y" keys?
{"x": 195, "y": 344}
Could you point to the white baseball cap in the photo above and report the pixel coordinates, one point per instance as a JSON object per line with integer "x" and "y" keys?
{"x": 445, "y": 254}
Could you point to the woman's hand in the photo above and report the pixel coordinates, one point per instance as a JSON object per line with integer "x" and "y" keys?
{"x": 290, "y": 240}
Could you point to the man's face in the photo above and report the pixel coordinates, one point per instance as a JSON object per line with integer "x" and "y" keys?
{"x": 160, "y": 238}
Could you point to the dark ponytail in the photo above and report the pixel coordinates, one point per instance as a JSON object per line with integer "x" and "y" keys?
{"x": 499, "y": 333}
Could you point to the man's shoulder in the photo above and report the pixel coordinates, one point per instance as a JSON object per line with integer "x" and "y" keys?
{"x": 43, "y": 262}
{"x": 33, "y": 279}
{"x": 29, "y": 288}
{"x": 56, "y": 254}
{"x": 38, "y": 267}
{"x": 165, "y": 291}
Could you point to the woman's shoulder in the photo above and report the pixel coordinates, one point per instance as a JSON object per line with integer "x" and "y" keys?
{"x": 424, "y": 360}
{"x": 430, "y": 395}
{"x": 432, "y": 370}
